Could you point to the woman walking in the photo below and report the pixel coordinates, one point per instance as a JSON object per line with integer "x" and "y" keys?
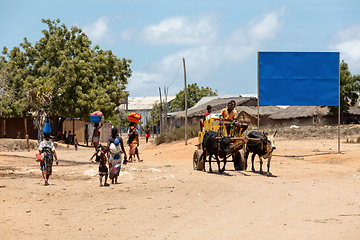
{"x": 116, "y": 147}
{"x": 133, "y": 142}
{"x": 47, "y": 148}
{"x": 95, "y": 140}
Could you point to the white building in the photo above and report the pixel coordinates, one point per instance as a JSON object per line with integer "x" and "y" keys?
{"x": 143, "y": 105}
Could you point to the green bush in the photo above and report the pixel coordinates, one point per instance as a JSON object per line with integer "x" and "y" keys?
{"x": 177, "y": 134}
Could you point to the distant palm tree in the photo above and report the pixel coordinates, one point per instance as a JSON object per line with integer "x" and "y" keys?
{"x": 39, "y": 99}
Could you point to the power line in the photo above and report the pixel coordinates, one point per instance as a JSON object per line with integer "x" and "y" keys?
{"x": 176, "y": 74}
{"x": 157, "y": 65}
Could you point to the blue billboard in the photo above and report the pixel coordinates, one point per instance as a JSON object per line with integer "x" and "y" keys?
{"x": 298, "y": 78}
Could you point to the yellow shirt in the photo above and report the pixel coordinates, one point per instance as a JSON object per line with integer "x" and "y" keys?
{"x": 228, "y": 117}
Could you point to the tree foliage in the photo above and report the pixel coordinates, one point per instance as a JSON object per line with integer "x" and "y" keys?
{"x": 155, "y": 116}
{"x": 349, "y": 89}
{"x": 195, "y": 94}
{"x": 82, "y": 79}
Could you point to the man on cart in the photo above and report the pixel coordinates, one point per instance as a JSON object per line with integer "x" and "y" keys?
{"x": 228, "y": 116}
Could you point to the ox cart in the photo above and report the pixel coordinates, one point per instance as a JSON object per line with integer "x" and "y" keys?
{"x": 237, "y": 144}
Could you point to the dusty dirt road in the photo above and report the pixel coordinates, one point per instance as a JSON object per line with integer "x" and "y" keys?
{"x": 314, "y": 193}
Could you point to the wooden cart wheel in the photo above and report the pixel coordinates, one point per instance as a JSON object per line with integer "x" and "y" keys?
{"x": 198, "y": 162}
{"x": 239, "y": 161}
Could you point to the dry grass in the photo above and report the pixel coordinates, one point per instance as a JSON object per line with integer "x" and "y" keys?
{"x": 315, "y": 131}
{"x": 20, "y": 145}
{"x": 350, "y": 132}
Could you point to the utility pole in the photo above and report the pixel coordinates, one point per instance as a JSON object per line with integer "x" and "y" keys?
{"x": 185, "y": 102}
{"x": 2, "y": 97}
{"x": 165, "y": 111}
{"x": 2, "y": 90}
{"x": 160, "y": 113}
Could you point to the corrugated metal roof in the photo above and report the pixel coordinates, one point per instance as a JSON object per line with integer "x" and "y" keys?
{"x": 145, "y": 103}
{"x": 217, "y": 104}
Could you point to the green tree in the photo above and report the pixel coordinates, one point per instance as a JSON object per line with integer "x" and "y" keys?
{"x": 195, "y": 94}
{"x": 82, "y": 79}
{"x": 9, "y": 107}
{"x": 349, "y": 89}
{"x": 155, "y": 119}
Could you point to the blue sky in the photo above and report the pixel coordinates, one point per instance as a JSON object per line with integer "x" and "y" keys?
{"x": 218, "y": 39}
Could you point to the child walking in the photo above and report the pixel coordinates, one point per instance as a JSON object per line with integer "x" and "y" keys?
{"x": 76, "y": 144}
{"x": 103, "y": 169}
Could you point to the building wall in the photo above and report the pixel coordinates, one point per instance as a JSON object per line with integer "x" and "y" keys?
{"x": 10, "y": 126}
{"x": 79, "y": 127}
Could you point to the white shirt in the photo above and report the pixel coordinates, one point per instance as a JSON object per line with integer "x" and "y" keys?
{"x": 47, "y": 144}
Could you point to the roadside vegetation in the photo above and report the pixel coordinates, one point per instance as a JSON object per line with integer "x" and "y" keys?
{"x": 177, "y": 134}
{"x": 351, "y": 132}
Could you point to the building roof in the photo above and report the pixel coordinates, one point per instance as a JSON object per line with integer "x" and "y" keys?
{"x": 217, "y": 103}
{"x": 263, "y": 110}
{"x": 145, "y": 103}
{"x": 299, "y": 112}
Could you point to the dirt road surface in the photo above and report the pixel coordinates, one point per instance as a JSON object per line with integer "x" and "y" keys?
{"x": 314, "y": 193}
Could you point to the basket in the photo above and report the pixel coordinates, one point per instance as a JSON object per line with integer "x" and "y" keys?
{"x": 134, "y": 117}
{"x": 95, "y": 119}
{"x": 97, "y": 113}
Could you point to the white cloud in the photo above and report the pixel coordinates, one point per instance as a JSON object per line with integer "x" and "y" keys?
{"x": 350, "y": 33}
{"x": 244, "y": 42}
{"x": 267, "y": 26}
{"x": 347, "y": 42}
{"x": 181, "y": 30}
{"x": 127, "y": 34}
{"x": 207, "y": 52}
{"x": 99, "y": 30}
{"x": 350, "y": 49}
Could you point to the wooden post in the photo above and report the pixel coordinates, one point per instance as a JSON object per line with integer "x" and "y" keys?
{"x": 25, "y": 123}
{"x": 2, "y": 96}
{"x": 258, "y": 106}
{"x": 73, "y": 138}
{"x": 27, "y": 142}
{"x": 4, "y": 127}
{"x": 339, "y": 119}
{"x": 160, "y": 114}
{"x": 165, "y": 112}
{"x": 185, "y": 102}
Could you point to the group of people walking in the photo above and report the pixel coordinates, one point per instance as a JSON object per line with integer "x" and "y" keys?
{"x": 109, "y": 157}
{"x": 112, "y": 153}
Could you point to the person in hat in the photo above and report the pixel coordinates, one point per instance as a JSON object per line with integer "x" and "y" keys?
{"x": 47, "y": 147}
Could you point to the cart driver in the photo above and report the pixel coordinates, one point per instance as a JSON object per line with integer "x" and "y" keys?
{"x": 228, "y": 115}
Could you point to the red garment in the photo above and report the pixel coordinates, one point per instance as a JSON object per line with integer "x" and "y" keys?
{"x": 96, "y": 138}
{"x": 205, "y": 115}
